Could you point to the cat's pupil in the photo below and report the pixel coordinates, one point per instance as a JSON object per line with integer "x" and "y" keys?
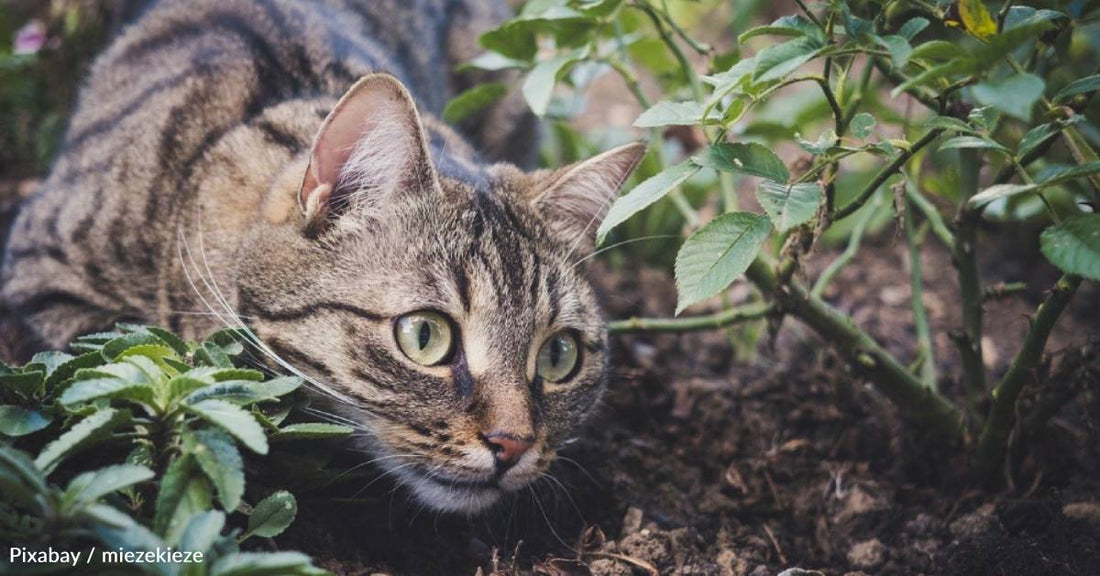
{"x": 424, "y": 336}
{"x": 555, "y": 351}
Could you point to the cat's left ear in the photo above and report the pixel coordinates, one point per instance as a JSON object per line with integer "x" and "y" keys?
{"x": 577, "y": 201}
{"x": 370, "y": 146}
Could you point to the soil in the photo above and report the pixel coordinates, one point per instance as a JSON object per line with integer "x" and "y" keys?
{"x": 701, "y": 465}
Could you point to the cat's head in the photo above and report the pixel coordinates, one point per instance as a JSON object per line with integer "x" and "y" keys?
{"x": 443, "y": 306}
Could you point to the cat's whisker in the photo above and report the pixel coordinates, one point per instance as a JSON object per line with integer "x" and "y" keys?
{"x": 369, "y": 462}
{"x": 385, "y": 472}
{"x": 555, "y": 482}
{"x": 578, "y": 466}
{"x": 545, "y": 516}
{"x": 620, "y": 243}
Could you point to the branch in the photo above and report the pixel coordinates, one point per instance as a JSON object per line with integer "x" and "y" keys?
{"x": 867, "y": 358}
{"x": 709, "y": 322}
{"x": 920, "y": 317}
{"x": 1002, "y": 415}
{"x": 885, "y": 173}
{"x": 969, "y": 340}
{"x": 931, "y": 214}
{"x": 850, "y": 251}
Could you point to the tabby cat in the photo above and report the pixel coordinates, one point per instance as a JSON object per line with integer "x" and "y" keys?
{"x": 279, "y": 163}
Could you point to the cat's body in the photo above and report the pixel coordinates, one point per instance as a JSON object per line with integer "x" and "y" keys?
{"x": 212, "y": 173}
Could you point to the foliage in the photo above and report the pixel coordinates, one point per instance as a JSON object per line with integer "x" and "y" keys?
{"x": 138, "y": 440}
{"x": 1009, "y": 88}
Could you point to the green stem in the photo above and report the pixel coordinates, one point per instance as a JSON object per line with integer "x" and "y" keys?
{"x": 885, "y": 173}
{"x": 931, "y": 214}
{"x": 918, "y": 93}
{"x": 850, "y": 251}
{"x": 1002, "y": 415}
{"x": 969, "y": 340}
{"x": 920, "y": 316}
{"x": 721, "y": 319}
{"x": 867, "y": 358}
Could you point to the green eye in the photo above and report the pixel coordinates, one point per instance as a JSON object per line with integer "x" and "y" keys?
{"x": 425, "y": 337}
{"x": 558, "y": 357}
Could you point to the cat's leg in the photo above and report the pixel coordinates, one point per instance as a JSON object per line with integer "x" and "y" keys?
{"x": 506, "y": 131}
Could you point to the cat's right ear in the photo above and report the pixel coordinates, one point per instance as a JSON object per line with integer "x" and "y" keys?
{"x": 371, "y": 145}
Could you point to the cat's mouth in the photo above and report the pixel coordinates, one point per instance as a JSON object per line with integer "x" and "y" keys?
{"x": 451, "y": 494}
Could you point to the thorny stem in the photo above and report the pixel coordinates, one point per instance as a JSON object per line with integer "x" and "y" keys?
{"x": 867, "y": 358}
{"x": 969, "y": 340}
{"x": 885, "y": 173}
{"x": 920, "y": 317}
{"x": 850, "y": 251}
{"x": 931, "y": 215}
{"x": 1002, "y": 415}
{"x": 721, "y": 319}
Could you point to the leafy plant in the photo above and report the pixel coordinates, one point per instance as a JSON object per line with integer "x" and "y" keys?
{"x": 1009, "y": 89}
{"x": 146, "y": 428}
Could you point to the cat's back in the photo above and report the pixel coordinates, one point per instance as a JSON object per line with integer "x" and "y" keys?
{"x": 201, "y": 93}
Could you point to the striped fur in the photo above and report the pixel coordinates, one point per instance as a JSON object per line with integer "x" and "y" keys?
{"x": 177, "y": 200}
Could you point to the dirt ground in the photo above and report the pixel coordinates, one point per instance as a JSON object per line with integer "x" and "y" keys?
{"x": 700, "y": 466}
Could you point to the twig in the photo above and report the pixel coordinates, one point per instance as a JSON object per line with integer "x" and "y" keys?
{"x": 1002, "y": 415}
{"x": 775, "y": 544}
{"x": 721, "y": 319}
{"x": 920, "y": 316}
{"x": 850, "y": 251}
{"x": 866, "y": 356}
{"x": 931, "y": 215}
{"x": 1002, "y": 290}
{"x": 885, "y": 173}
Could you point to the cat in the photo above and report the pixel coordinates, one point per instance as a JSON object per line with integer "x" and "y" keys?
{"x": 280, "y": 165}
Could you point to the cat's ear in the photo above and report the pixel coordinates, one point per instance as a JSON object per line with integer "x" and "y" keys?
{"x": 578, "y": 199}
{"x": 370, "y": 145}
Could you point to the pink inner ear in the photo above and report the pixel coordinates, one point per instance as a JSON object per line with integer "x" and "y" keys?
{"x": 361, "y": 113}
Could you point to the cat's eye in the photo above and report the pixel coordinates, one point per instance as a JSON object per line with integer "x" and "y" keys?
{"x": 425, "y": 337}
{"x": 558, "y": 358}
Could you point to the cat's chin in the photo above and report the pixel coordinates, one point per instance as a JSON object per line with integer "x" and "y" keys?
{"x": 459, "y": 498}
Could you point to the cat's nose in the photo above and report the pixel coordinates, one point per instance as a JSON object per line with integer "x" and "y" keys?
{"x": 507, "y": 448}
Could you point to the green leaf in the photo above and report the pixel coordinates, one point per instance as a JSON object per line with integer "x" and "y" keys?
{"x": 234, "y": 420}
{"x": 977, "y": 18}
{"x": 91, "y": 486}
{"x": 910, "y": 29}
{"x": 273, "y": 515}
{"x": 666, "y": 113}
{"x": 184, "y": 494}
{"x": 88, "y": 431}
{"x": 716, "y": 254}
{"x": 1006, "y": 190}
{"x": 471, "y": 101}
{"x": 202, "y": 531}
{"x": 960, "y": 65}
{"x": 644, "y": 194}
{"x": 1074, "y": 245}
{"x": 265, "y": 564}
{"x": 738, "y": 74}
{"x": 823, "y": 144}
{"x": 777, "y": 61}
{"x": 785, "y": 26}
{"x": 49, "y": 361}
{"x": 106, "y": 388}
{"x": 491, "y": 62}
{"x": 70, "y": 367}
{"x": 220, "y": 460}
{"x": 26, "y": 384}
{"x": 174, "y": 342}
{"x": 215, "y": 374}
{"x": 20, "y": 479}
{"x": 789, "y": 206}
{"x": 1014, "y": 95}
{"x": 538, "y": 87}
{"x": 312, "y": 430}
{"x": 116, "y": 346}
{"x": 972, "y": 142}
{"x": 899, "y": 49}
{"x": 949, "y": 123}
{"x": 280, "y": 386}
{"x": 862, "y": 125}
{"x": 1036, "y": 136}
{"x": 746, "y": 158}
{"x": 19, "y": 421}
{"x": 935, "y": 51}
{"x": 1079, "y": 86}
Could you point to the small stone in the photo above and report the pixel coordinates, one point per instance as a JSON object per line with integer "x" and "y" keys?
{"x": 974, "y": 524}
{"x": 867, "y": 554}
{"x": 609, "y": 567}
{"x": 632, "y": 521}
{"x": 731, "y": 564}
{"x": 1085, "y": 511}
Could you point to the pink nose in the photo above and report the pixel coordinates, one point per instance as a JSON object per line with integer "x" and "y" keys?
{"x": 506, "y": 448}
